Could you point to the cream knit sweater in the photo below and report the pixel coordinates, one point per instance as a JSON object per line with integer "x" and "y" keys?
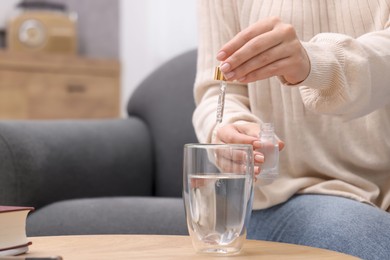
{"x": 335, "y": 124}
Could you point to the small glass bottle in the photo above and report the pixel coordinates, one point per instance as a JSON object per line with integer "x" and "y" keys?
{"x": 270, "y": 150}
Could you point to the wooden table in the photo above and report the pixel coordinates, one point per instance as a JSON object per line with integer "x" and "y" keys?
{"x": 117, "y": 247}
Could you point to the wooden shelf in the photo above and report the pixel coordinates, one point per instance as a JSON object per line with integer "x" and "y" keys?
{"x": 38, "y": 86}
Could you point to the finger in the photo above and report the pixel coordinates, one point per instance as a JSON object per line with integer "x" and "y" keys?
{"x": 258, "y": 157}
{"x": 258, "y": 145}
{"x": 256, "y": 170}
{"x": 276, "y": 68}
{"x": 232, "y": 155}
{"x": 228, "y": 165}
{"x": 251, "y": 50}
{"x": 246, "y": 35}
{"x": 196, "y": 183}
{"x": 287, "y": 60}
{"x": 261, "y": 60}
{"x": 281, "y": 145}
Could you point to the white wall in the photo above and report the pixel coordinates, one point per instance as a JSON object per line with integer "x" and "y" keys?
{"x": 152, "y": 32}
{"x": 6, "y": 9}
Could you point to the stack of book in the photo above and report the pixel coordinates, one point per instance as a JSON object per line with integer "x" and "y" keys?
{"x": 13, "y": 237}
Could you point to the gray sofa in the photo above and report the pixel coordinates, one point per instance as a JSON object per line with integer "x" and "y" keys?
{"x": 114, "y": 176}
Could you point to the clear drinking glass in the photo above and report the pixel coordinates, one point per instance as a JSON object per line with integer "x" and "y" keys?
{"x": 218, "y": 193}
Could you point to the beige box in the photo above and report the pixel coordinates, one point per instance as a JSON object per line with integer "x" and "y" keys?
{"x": 42, "y": 31}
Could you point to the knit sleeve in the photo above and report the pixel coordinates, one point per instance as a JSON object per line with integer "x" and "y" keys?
{"x": 349, "y": 77}
{"x": 217, "y": 24}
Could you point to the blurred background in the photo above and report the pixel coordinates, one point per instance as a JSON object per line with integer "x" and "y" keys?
{"x": 140, "y": 35}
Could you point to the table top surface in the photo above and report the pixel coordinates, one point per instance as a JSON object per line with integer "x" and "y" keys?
{"x": 162, "y": 247}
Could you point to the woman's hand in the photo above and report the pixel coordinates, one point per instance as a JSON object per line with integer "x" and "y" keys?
{"x": 247, "y": 133}
{"x": 265, "y": 49}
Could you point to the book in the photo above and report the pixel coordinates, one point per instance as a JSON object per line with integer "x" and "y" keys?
{"x": 13, "y": 237}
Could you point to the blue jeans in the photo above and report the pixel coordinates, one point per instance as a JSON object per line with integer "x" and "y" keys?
{"x": 329, "y": 222}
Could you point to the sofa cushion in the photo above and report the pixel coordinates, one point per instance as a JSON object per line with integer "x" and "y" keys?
{"x": 117, "y": 215}
{"x": 45, "y": 161}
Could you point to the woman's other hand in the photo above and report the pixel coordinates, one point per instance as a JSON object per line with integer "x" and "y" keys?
{"x": 247, "y": 133}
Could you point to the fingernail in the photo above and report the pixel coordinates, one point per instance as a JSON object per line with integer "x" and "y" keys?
{"x": 221, "y": 55}
{"x": 256, "y": 144}
{"x": 259, "y": 158}
{"x": 225, "y": 67}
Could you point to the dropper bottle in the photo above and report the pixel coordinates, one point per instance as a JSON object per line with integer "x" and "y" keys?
{"x": 270, "y": 150}
{"x": 218, "y": 75}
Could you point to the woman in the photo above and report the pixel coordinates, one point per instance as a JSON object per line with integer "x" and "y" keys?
{"x": 320, "y": 72}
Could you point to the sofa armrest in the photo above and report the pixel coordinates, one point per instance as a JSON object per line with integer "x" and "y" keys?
{"x": 46, "y": 161}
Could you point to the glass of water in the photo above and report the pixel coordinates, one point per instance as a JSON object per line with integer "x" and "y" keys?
{"x": 218, "y": 192}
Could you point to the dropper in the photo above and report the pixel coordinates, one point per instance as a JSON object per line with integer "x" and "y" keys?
{"x": 218, "y": 75}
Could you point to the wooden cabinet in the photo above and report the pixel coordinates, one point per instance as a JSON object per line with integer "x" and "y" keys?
{"x": 36, "y": 86}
